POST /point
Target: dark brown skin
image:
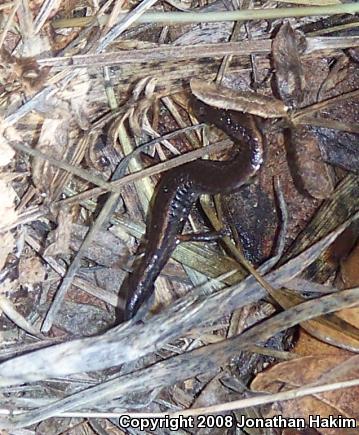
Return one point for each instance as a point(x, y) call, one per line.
point(181, 187)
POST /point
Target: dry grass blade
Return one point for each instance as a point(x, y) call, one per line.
point(153, 170)
point(9, 309)
point(75, 101)
point(68, 279)
point(181, 367)
point(126, 22)
point(45, 11)
point(159, 54)
point(30, 105)
point(65, 166)
point(311, 2)
point(82, 284)
point(224, 407)
point(261, 400)
point(301, 114)
point(238, 15)
point(331, 329)
point(343, 202)
point(9, 21)
point(29, 215)
point(166, 54)
point(129, 341)
point(330, 123)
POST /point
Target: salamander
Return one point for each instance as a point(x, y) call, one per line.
point(179, 189)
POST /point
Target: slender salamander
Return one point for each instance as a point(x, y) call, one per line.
point(180, 188)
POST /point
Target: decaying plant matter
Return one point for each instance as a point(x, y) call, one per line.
point(95, 105)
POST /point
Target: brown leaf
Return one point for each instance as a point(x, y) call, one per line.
point(310, 173)
point(350, 269)
point(329, 328)
point(287, 47)
point(349, 275)
point(337, 73)
point(307, 370)
point(230, 99)
point(307, 345)
point(350, 315)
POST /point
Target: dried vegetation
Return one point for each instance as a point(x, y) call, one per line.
point(95, 102)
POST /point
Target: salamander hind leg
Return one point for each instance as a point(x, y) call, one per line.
point(207, 236)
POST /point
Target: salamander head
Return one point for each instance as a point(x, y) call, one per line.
point(199, 109)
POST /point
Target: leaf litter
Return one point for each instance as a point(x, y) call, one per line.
point(61, 267)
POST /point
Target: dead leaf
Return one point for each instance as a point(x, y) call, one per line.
point(307, 345)
point(337, 73)
point(31, 270)
point(61, 235)
point(350, 269)
point(77, 96)
point(307, 370)
point(329, 328)
point(287, 47)
point(350, 315)
point(349, 275)
point(310, 173)
point(230, 99)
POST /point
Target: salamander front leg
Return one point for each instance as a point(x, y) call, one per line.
point(207, 236)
